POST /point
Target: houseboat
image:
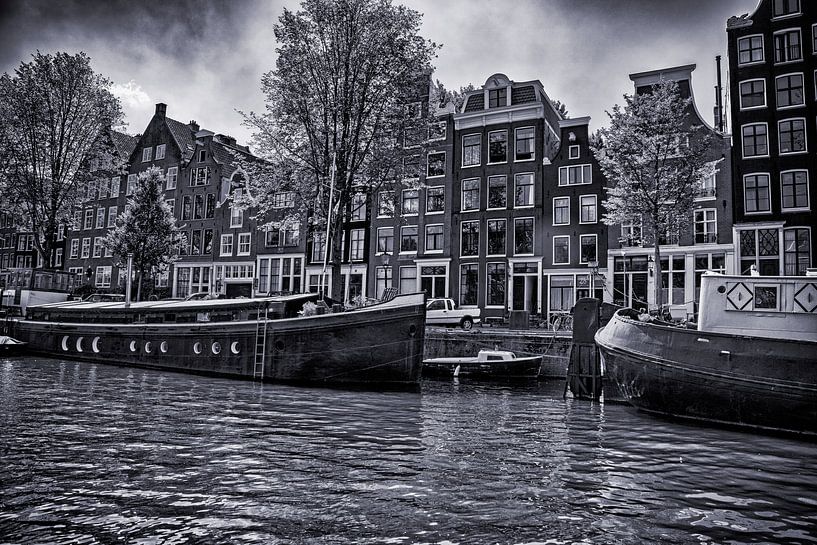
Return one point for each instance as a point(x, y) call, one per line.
point(268, 338)
point(751, 361)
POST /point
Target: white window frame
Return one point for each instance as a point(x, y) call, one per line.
point(400, 246)
point(774, 45)
point(425, 239)
point(226, 246)
point(99, 223)
point(115, 181)
point(786, 16)
point(74, 248)
point(533, 152)
point(740, 96)
point(428, 163)
point(532, 201)
point(358, 207)
point(113, 212)
point(86, 248)
point(595, 208)
point(802, 78)
point(533, 240)
point(762, 49)
point(236, 217)
point(808, 192)
point(380, 196)
point(248, 242)
point(488, 192)
point(805, 137)
point(595, 238)
point(434, 212)
point(283, 199)
point(479, 229)
point(462, 149)
point(553, 250)
point(377, 247)
point(574, 148)
point(160, 152)
point(147, 154)
point(89, 220)
point(58, 255)
point(131, 187)
point(567, 170)
point(553, 212)
point(745, 199)
point(403, 201)
point(506, 147)
point(743, 150)
point(172, 175)
point(103, 272)
point(444, 131)
point(357, 247)
point(705, 223)
point(462, 194)
point(488, 237)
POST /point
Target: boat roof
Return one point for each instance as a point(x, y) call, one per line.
point(170, 306)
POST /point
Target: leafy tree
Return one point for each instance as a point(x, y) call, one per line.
point(54, 112)
point(147, 229)
point(561, 107)
point(341, 107)
point(653, 157)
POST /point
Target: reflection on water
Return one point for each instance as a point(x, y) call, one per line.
point(99, 454)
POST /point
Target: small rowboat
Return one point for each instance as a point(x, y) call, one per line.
point(9, 346)
point(487, 365)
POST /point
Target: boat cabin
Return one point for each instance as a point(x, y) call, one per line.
point(23, 287)
point(779, 307)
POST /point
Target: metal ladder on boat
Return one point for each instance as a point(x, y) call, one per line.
point(260, 344)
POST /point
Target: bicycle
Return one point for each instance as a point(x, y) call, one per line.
point(562, 321)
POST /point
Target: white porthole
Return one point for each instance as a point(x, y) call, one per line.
point(133, 346)
point(216, 348)
point(65, 344)
point(234, 348)
point(95, 345)
point(197, 348)
point(79, 344)
point(148, 347)
point(163, 347)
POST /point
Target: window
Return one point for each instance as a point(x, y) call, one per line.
point(707, 262)
point(131, 187)
point(797, 251)
point(103, 277)
point(113, 211)
point(561, 292)
point(588, 211)
point(359, 207)
point(588, 248)
point(58, 257)
point(496, 237)
point(525, 140)
point(74, 248)
point(172, 177)
point(202, 156)
point(226, 245)
point(497, 147)
point(756, 193)
point(77, 224)
point(814, 38)
point(199, 176)
point(436, 164)
point(411, 200)
point(236, 216)
point(573, 152)
point(760, 247)
point(631, 233)
point(787, 46)
point(100, 218)
point(187, 207)
point(115, 186)
point(356, 244)
point(434, 238)
point(497, 192)
point(469, 239)
point(498, 98)
point(561, 211)
point(750, 49)
point(244, 240)
point(198, 206)
point(755, 140)
point(471, 150)
point(385, 240)
point(524, 190)
point(437, 131)
point(789, 90)
point(318, 246)
point(765, 298)
point(786, 7)
point(408, 238)
point(408, 279)
point(147, 154)
point(89, 219)
point(411, 167)
point(673, 280)
point(283, 199)
point(469, 284)
point(435, 200)
point(86, 248)
point(383, 280)
point(792, 136)
point(576, 175)
point(385, 204)
point(561, 250)
point(794, 189)
point(195, 242)
point(470, 194)
point(752, 94)
point(706, 226)
point(496, 284)
point(523, 236)
point(160, 151)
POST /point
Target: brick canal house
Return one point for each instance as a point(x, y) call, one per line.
point(687, 255)
point(772, 90)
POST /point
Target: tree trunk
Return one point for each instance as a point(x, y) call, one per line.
point(139, 286)
point(337, 257)
point(658, 278)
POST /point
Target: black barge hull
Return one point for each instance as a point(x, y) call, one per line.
point(751, 382)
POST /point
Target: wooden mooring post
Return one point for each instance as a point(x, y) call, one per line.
point(584, 373)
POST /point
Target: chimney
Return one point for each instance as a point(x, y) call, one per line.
point(161, 109)
point(193, 125)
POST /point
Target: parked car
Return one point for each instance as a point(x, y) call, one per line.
point(444, 312)
point(104, 298)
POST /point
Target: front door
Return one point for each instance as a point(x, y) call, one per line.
point(518, 293)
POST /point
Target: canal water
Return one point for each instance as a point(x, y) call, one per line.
point(102, 454)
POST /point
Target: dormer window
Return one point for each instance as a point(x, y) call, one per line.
point(147, 154)
point(202, 156)
point(786, 7)
point(498, 97)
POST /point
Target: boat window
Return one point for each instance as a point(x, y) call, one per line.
point(197, 348)
point(133, 346)
point(65, 344)
point(494, 358)
point(79, 344)
point(234, 348)
point(148, 347)
point(163, 347)
point(216, 348)
point(766, 297)
point(95, 345)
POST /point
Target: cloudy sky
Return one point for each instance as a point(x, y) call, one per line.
point(205, 58)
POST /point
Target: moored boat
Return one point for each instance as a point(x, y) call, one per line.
point(10, 347)
point(487, 365)
point(751, 362)
point(264, 338)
